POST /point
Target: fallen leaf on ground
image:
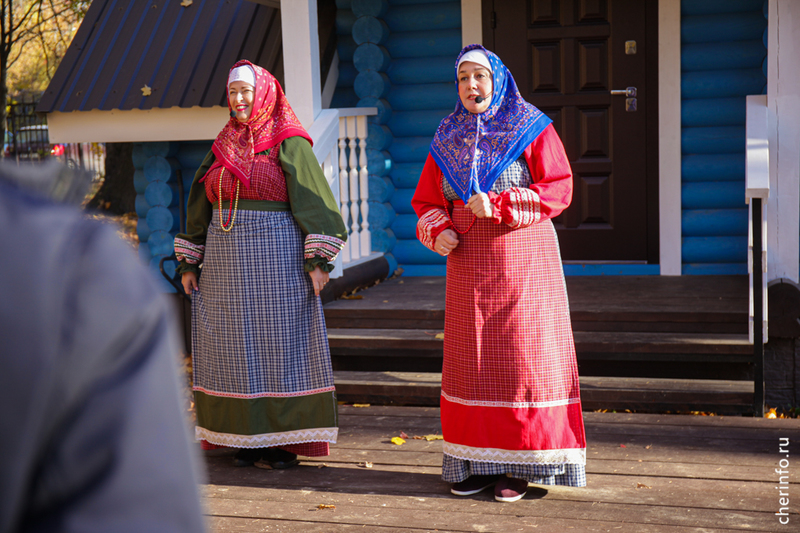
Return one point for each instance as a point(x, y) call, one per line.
point(641, 486)
point(648, 446)
point(186, 3)
point(322, 465)
point(325, 506)
point(361, 405)
point(403, 435)
point(622, 446)
point(147, 91)
point(418, 437)
point(440, 336)
point(433, 437)
point(353, 297)
point(398, 441)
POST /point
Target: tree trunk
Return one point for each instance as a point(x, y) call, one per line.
point(117, 194)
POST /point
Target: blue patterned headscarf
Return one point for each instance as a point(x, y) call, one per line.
point(507, 127)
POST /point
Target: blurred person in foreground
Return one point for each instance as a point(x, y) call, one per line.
point(93, 436)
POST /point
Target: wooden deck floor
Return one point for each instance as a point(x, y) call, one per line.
point(646, 473)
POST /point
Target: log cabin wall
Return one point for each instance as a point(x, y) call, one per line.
point(723, 59)
point(158, 167)
point(399, 56)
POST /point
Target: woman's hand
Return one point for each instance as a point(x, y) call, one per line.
point(446, 242)
point(189, 282)
point(319, 278)
point(480, 205)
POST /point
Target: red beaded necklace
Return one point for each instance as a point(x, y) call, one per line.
point(227, 226)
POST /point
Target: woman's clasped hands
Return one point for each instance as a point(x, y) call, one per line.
point(481, 207)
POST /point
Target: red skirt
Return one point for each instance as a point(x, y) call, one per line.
point(510, 390)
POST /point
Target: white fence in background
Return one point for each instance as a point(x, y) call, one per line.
point(340, 144)
point(88, 156)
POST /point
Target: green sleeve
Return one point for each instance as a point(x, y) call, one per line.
point(313, 205)
point(198, 213)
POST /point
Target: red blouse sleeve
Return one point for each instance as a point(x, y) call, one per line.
point(429, 205)
point(551, 188)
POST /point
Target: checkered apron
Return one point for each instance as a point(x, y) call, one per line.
point(510, 393)
point(257, 327)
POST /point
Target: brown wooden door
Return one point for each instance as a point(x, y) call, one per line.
point(566, 56)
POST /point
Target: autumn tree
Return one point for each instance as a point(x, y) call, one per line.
point(34, 36)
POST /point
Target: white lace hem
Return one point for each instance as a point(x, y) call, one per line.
point(267, 440)
point(522, 457)
point(512, 405)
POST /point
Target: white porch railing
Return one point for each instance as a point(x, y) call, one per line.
point(340, 144)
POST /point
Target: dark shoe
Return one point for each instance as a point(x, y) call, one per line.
point(510, 489)
point(247, 456)
point(280, 459)
point(473, 485)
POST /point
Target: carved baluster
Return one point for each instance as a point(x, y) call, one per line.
point(355, 252)
point(363, 178)
point(344, 186)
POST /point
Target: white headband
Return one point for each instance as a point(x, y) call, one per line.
point(476, 56)
point(244, 73)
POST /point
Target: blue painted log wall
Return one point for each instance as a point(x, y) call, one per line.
point(157, 167)
point(723, 59)
point(398, 55)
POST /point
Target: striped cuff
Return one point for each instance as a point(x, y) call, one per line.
point(521, 207)
point(323, 246)
point(430, 225)
point(189, 252)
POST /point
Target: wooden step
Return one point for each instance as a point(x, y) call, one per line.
point(698, 304)
point(635, 394)
point(622, 346)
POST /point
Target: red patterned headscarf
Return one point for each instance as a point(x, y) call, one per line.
point(271, 121)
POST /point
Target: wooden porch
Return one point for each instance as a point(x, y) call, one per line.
point(646, 473)
point(647, 343)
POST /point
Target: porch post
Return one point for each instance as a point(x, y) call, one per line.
point(783, 101)
point(301, 58)
point(669, 135)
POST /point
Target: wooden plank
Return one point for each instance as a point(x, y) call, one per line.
point(653, 464)
point(260, 525)
point(478, 513)
point(613, 420)
point(587, 382)
point(421, 490)
point(599, 342)
point(638, 394)
point(658, 301)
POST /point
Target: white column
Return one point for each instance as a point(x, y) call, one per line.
point(669, 136)
point(301, 58)
point(783, 100)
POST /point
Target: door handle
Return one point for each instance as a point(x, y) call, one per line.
point(629, 92)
